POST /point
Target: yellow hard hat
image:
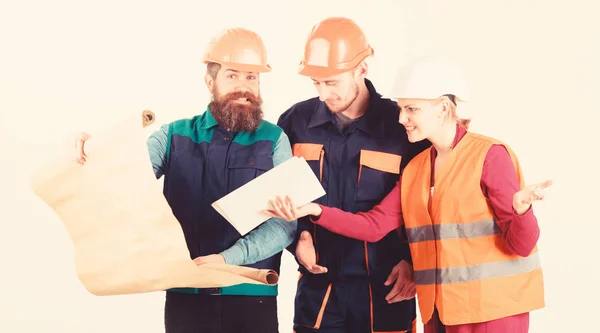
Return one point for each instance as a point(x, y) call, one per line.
point(335, 45)
point(239, 49)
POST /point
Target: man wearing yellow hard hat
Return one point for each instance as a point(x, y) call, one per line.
point(350, 137)
point(203, 159)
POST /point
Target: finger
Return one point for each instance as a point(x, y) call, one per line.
point(79, 142)
point(272, 208)
point(393, 293)
point(280, 206)
point(394, 297)
point(398, 298)
point(288, 210)
point(268, 212)
point(537, 189)
point(545, 184)
point(396, 289)
point(393, 276)
point(285, 209)
point(400, 295)
point(294, 210)
point(275, 208)
point(290, 201)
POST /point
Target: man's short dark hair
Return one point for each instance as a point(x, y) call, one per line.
point(212, 68)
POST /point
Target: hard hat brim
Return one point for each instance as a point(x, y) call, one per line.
point(322, 71)
point(394, 96)
point(244, 67)
point(319, 72)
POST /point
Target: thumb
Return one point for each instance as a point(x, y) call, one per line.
point(316, 269)
point(267, 212)
point(305, 236)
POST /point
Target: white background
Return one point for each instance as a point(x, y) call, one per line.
point(67, 66)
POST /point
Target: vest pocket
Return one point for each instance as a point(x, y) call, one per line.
point(313, 153)
point(244, 168)
point(376, 173)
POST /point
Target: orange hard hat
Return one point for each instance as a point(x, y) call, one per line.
point(335, 45)
point(238, 48)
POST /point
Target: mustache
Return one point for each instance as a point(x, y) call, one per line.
point(254, 100)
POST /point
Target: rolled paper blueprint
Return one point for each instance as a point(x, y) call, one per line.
point(126, 239)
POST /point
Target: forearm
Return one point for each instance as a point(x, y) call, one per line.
point(268, 239)
point(157, 149)
point(499, 183)
point(522, 233)
point(368, 226)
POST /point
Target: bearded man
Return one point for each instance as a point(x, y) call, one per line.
point(203, 159)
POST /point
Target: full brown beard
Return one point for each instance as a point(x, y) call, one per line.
point(237, 117)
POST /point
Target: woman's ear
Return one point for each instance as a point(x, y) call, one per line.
point(445, 106)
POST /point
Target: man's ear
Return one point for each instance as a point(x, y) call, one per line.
point(210, 82)
point(361, 70)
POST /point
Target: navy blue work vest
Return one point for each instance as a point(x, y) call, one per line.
point(204, 163)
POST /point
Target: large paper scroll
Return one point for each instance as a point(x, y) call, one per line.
point(125, 236)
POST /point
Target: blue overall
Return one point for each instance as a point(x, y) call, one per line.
point(357, 167)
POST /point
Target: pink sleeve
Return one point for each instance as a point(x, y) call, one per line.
point(369, 226)
point(499, 183)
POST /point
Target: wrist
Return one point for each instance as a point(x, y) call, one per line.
point(521, 209)
point(316, 210)
point(233, 255)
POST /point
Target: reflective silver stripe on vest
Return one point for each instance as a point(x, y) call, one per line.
point(478, 272)
point(451, 231)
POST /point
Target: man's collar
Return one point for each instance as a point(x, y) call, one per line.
point(370, 122)
point(321, 116)
point(208, 121)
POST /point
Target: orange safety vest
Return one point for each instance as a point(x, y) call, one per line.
point(461, 263)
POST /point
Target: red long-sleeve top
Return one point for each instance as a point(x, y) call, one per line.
point(498, 182)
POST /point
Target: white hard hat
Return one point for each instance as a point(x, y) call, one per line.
point(430, 78)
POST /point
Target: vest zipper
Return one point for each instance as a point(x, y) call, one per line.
point(321, 158)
